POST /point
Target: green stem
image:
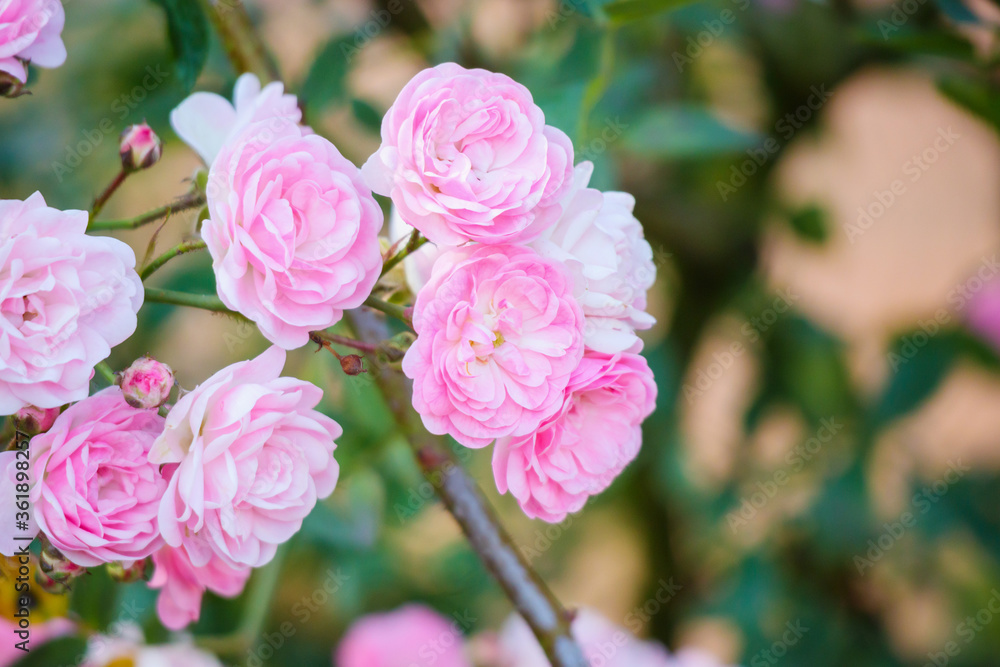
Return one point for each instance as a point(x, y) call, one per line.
point(105, 372)
point(239, 38)
point(416, 240)
point(188, 201)
point(390, 309)
point(103, 198)
point(179, 249)
point(361, 346)
point(203, 301)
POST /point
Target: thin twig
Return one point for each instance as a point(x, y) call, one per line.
point(416, 240)
point(203, 301)
point(192, 199)
point(390, 309)
point(362, 346)
point(179, 249)
point(103, 198)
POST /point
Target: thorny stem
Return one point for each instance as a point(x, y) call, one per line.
point(390, 309)
point(324, 338)
point(203, 301)
point(179, 249)
point(546, 616)
point(103, 198)
point(192, 199)
point(416, 240)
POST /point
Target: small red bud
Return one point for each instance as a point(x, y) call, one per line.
point(352, 364)
point(140, 147)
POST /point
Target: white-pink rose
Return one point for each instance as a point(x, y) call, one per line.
point(293, 231)
point(206, 121)
point(65, 300)
point(31, 31)
point(95, 494)
point(580, 450)
point(126, 647)
point(602, 243)
point(253, 457)
point(466, 155)
point(411, 636)
point(182, 585)
point(498, 335)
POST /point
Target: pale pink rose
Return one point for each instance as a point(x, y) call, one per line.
point(498, 335)
point(65, 300)
point(126, 647)
point(146, 383)
point(694, 657)
point(253, 458)
point(466, 155)
point(37, 634)
point(31, 31)
point(293, 231)
point(411, 636)
point(604, 644)
point(206, 121)
point(182, 585)
point(602, 243)
point(580, 450)
point(95, 493)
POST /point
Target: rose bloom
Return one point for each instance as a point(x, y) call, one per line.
point(580, 450)
point(603, 643)
point(206, 121)
point(182, 585)
point(466, 155)
point(498, 335)
point(253, 458)
point(126, 649)
point(31, 30)
point(293, 231)
point(95, 494)
point(612, 263)
point(411, 636)
point(65, 300)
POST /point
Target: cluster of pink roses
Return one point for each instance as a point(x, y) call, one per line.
point(526, 319)
point(416, 636)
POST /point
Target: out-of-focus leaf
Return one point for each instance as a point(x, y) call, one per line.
point(957, 11)
point(325, 82)
point(62, 651)
point(367, 115)
point(684, 131)
point(810, 223)
point(624, 11)
point(977, 96)
point(918, 42)
point(187, 29)
point(352, 519)
point(918, 361)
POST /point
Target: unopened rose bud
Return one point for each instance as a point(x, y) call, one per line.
point(32, 420)
point(11, 86)
point(140, 147)
point(50, 585)
point(127, 574)
point(56, 566)
point(352, 364)
point(146, 383)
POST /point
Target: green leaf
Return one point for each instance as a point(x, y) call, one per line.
point(919, 361)
point(809, 223)
point(187, 29)
point(977, 96)
point(326, 81)
point(684, 131)
point(624, 11)
point(62, 651)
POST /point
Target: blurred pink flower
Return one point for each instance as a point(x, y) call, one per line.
point(253, 458)
point(182, 585)
point(39, 633)
point(293, 231)
point(206, 121)
point(411, 636)
point(65, 300)
point(31, 30)
point(95, 493)
point(126, 647)
point(602, 243)
point(498, 335)
point(466, 155)
point(984, 313)
point(146, 383)
point(580, 450)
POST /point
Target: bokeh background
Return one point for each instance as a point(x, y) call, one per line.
point(820, 182)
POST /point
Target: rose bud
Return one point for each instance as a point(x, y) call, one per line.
point(11, 86)
point(146, 383)
point(140, 147)
point(32, 420)
point(126, 574)
point(56, 566)
point(352, 364)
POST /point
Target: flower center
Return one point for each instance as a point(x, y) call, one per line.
point(18, 310)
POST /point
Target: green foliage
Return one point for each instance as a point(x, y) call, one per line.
point(187, 29)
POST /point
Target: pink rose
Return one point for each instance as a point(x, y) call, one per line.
point(580, 450)
point(253, 458)
point(65, 300)
point(31, 31)
point(182, 585)
point(206, 121)
point(466, 155)
point(602, 243)
point(498, 335)
point(126, 647)
point(603, 642)
point(95, 493)
point(293, 231)
point(146, 383)
point(411, 636)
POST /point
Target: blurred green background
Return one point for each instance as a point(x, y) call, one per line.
point(819, 182)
